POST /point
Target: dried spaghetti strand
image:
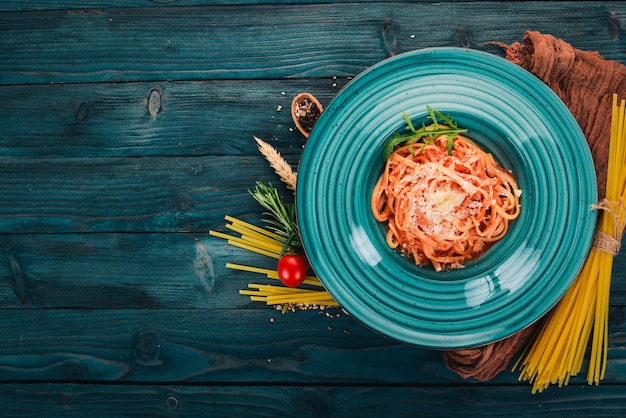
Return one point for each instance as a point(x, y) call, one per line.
point(280, 295)
point(259, 248)
point(251, 227)
point(251, 238)
point(272, 274)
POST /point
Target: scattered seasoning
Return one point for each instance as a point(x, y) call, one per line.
point(279, 108)
point(292, 307)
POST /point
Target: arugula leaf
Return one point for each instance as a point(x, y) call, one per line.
point(432, 115)
point(396, 140)
point(450, 144)
point(425, 133)
point(409, 123)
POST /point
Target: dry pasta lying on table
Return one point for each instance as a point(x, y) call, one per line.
point(264, 242)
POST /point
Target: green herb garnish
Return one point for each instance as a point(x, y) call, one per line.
point(282, 216)
point(425, 133)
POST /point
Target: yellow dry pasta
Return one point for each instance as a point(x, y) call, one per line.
point(253, 236)
point(241, 243)
point(279, 295)
point(272, 274)
point(557, 351)
point(261, 241)
point(251, 227)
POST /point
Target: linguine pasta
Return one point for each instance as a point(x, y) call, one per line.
point(444, 207)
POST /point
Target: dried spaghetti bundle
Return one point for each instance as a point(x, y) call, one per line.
point(558, 350)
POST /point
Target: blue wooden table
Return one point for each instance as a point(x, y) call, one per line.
point(126, 135)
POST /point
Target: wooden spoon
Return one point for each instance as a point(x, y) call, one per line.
point(305, 111)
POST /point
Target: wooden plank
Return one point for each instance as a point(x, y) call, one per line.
point(272, 41)
point(105, 271)
point(197, 345)
point(146, 271)
point(239, 346)
point(26, 5)
point(142, 119)
point(85, 5)
point(79, 400)
point(151, 194)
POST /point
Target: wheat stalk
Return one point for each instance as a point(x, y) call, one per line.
point(278, 163)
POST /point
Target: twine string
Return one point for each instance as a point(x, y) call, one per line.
point(605, 242)
point(611, 243)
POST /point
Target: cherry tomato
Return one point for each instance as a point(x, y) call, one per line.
point(292, 269)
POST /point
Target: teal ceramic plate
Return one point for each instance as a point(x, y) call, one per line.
point(510, 113)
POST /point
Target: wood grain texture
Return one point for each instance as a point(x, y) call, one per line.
point(126, 134)
point(86, 5)
point(150, 194)
point(214, 117)
point(198, 345)
point(115, 401)
point(130, 271)
point(227, 346)
point(273, 41)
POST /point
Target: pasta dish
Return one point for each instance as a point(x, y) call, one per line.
point(444, 202)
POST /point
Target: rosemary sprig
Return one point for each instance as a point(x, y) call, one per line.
point(282, 216)
point(425, 133)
